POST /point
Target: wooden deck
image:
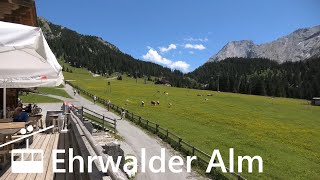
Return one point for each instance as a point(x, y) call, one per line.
point(46, 142)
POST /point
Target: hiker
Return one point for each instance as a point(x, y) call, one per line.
point(78, 91)
point(94, 99)
point(123, 114)
point(74, 92)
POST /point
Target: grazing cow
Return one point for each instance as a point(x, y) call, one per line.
point(153, 103)
point(158, 103)
point(209, 95)
point(167, 93)
point(206, 99)
point(170, 104)
point(142, 103)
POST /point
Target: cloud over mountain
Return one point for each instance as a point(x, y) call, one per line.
point(166, 49)
point(195, 46)
point(153, 56)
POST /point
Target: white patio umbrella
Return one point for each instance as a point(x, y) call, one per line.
point(26, 60)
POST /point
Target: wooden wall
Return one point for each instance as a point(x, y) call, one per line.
point(18, 11)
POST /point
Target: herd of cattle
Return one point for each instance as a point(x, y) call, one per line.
point(157, 103)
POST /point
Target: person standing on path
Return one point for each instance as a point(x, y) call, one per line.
point(123, 114)
point(94, 99)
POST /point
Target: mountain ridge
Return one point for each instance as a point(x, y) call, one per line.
point(302, 44)
point(103, 58)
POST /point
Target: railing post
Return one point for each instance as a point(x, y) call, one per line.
point(103, 122)
point(82, 113)
point(157, 126)
point(148, 124)
point(180, 143)
point(193, 150)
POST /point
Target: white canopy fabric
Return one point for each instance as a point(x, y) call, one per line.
point(26, 60)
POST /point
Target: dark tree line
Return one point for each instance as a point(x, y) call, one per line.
point(261, 77)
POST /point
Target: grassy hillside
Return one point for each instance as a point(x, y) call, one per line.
point(36, 98)
point(54, 91)
point(284, 132)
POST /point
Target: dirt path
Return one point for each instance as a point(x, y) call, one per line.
point(136, 139)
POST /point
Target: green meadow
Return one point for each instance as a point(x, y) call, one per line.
point(54, 91)
point(37, 98)
point(284, 132)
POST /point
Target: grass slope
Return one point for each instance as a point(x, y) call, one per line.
point(36, 98)
point(284, 132)
point(54, 91)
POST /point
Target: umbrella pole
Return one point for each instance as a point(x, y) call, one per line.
point(4, 101)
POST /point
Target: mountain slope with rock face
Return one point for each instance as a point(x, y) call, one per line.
point(300, 45)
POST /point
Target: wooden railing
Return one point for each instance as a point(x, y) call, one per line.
point(103, 122)
point(85, 145)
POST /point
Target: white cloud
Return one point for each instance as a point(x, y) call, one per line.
point(153, 56)
point(166, 49)
point(183, 66)
point(196, 39)
point(195, 46)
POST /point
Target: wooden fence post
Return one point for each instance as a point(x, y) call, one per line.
point(157, 126)
point(147, 124)
point(103, 122)
point(193, 150)
point(180, 143)
point(82, 113)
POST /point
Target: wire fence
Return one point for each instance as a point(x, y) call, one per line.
point(174, 140)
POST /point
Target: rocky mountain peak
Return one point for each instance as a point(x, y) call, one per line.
point(300, 45)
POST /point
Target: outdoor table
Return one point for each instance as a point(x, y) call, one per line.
point(6, 120)
point(6, 149)
point(13, 125)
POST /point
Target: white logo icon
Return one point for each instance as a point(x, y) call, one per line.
point(23, 165)
point(31, 160)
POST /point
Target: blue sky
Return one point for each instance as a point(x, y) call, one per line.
point(181, 34)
